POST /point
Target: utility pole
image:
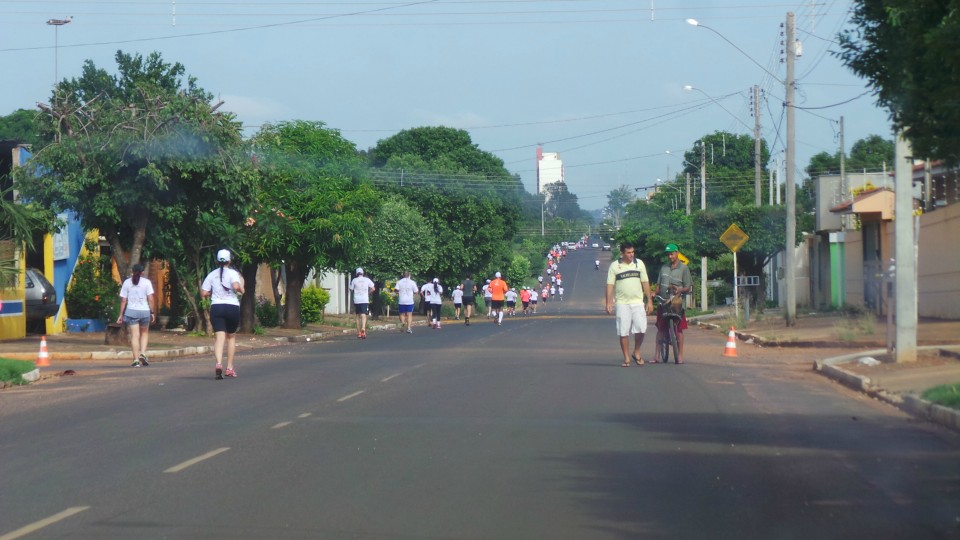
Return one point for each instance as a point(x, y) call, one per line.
point(756, 143)
point(791, 196)
point(688, 194)
point(905, 251)
point(703, 206)
point(843, 163)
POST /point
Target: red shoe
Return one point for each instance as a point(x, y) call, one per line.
point(229, 373)
point(363, 334)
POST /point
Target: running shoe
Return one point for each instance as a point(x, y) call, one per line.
point(219, 371)
point(136, 363)
point(409, 330)
point(363, 334)
point(143, 360)
point(230, 373)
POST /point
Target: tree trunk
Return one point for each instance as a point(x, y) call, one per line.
point(296, 275)
point(276, 277)
point(248, 302)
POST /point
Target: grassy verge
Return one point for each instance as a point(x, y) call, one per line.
point(11, 370)
point(947, 395)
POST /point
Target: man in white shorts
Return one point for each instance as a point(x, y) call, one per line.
point(627, 282)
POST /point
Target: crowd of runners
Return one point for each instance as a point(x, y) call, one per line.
point(499, 298)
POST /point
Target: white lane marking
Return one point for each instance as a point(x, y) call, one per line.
point(37, 525)
point(305, 415)
point(394, 376)
point(280, 425)
point(353, 395)
point(194, 461)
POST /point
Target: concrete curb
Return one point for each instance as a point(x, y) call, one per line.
point(908, 403)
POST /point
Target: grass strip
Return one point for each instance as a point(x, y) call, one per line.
point(11, 371)
point(947, 395)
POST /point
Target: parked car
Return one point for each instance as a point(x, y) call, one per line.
point(41, 296)
point(594, 245)
point(606, 247)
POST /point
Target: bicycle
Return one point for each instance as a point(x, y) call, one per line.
point(671, 309)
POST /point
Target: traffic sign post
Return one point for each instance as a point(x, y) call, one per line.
point(734, 238)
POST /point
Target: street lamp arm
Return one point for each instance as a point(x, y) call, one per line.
point(695, 22)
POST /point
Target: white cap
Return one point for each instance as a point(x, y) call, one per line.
point(497, 274)
point(359, 271)
point(459, 286)
point(435, 280)
point(488, 281)
point(223, 255)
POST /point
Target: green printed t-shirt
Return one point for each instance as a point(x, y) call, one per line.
point(627, 279)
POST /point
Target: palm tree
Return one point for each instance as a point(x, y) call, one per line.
point(18, 222)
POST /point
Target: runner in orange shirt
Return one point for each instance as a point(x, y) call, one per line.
point(498, 288)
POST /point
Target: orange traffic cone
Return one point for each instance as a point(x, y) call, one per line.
point(43, 359)
point(731, 348)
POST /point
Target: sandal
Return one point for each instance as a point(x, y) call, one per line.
point(639, 361)
point(625, 364)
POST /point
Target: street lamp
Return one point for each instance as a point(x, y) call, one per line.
point(56, 24)
point(697, 23)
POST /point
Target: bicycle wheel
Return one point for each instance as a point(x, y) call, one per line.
point(673, 342)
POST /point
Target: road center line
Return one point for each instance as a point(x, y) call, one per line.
point(394, 376)
point(37, 525)
point(305, 415)
point(280, 425)
point(194, 461)
point(349, 396)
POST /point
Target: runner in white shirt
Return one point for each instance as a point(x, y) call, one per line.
point(362, 287)
point(457, 296)
point(488, 299)
point(511, 298)
point(436, 301)
point(406, 290)
point(534, 296)
point(560, 292)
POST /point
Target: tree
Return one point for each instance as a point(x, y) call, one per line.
point(617, 201)
point(135, 151)
point(909, 52)
point(20, 126)
point(561, 203)
point(730, 168)
point(518, 271)
point(871, 153)
point(313, 209)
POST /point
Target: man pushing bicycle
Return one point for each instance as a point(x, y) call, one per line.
point(674, 280)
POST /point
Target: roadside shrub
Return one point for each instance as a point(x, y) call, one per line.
point(11, 370)
point(93, 294)
point(313, 300)
point(267, 313)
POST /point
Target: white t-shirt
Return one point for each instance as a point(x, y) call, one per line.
point(457, 295)
point(220, 286)
point(406, 289)
point(486, 291)
point(560, 290)
point(510, 296)
point(430, 295)
point(136, 295)
point(361, 286)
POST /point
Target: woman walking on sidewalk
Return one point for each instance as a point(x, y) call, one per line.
point(136, 311)
point(223, 287)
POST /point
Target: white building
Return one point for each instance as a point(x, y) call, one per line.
point(549, 169)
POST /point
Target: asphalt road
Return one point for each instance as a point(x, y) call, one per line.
point(524, 431)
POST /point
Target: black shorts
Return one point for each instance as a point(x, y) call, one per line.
point(361, 309)
point(511, 304)
point(225, 318)
point(496, 304)
point(468, 301)
point(526, 305)
point(458, 305)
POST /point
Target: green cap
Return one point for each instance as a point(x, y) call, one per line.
point(671, 248)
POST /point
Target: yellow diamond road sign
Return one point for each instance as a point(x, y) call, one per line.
point(734, 238)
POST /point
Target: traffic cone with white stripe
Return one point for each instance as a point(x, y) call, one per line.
point(731, 348)
point(43, 359)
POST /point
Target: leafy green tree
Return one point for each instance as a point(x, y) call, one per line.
point(617, 201)
point(20, 126)
point(561, 203)
point(909, 52)
point(823, 163)
point(400, 240)
point(730, 168)
point(871, 153)
point(314, 210)
point(518, 271)
point(135, 151)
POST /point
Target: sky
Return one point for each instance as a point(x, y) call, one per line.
point(601, 82)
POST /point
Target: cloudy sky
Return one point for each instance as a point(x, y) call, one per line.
point(599, 81)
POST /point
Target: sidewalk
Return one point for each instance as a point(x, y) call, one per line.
point(868, 368)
